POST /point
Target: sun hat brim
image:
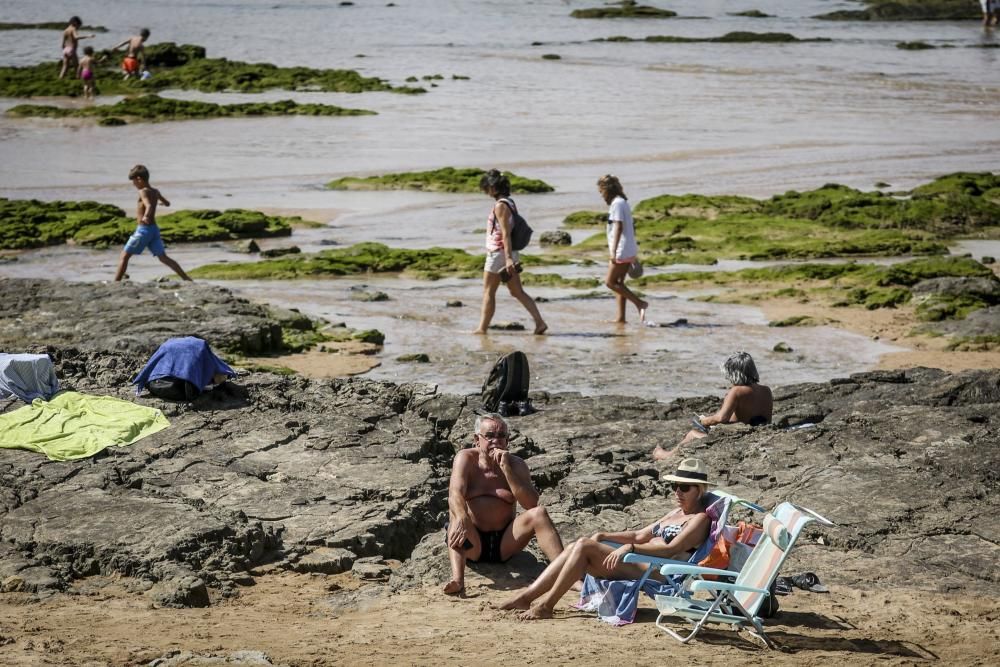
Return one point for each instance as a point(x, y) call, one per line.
point(687, 480)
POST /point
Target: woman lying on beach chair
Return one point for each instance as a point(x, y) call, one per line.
point(676, 535)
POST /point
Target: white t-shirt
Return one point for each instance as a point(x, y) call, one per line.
point(621, 212)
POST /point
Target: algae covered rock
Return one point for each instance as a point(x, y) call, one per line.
point(50, 25)
point(446, 179)
point(628, 9)
point(153, 108)
point(185, 67)
point(355, 259)
point(908, 10)
point(555, 238)
point(33, 224)
point(831, 221)
point(738, 36)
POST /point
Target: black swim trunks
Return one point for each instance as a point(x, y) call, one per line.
point(490, 541)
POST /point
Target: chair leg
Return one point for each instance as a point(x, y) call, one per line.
point(697, 626)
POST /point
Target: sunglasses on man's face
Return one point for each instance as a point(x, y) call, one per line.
point(683, 488)
point(494, 435)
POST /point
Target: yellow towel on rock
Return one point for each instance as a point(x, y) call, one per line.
point(75, 426)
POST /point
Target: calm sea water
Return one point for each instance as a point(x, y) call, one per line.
point(751, 119)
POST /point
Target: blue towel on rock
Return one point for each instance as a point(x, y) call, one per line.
point(27, 376)
point(188, 358)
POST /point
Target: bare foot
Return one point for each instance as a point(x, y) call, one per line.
point(642, 311)
point(542, 328)
point(515, 603)
point(454, 588)
point(478, 332)
point(536, 613)
point(661, 454)
point(613, 321)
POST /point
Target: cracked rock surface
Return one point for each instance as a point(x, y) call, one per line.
point(328, 476)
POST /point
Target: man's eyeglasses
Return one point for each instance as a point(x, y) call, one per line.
point(493, 435)
point(683, 488)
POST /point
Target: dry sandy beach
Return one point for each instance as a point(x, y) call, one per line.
point(294, 620)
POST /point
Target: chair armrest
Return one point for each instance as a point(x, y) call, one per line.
point(719, 586)
point(694, 569)
point(823, 520)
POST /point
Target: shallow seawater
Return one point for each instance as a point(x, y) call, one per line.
point(753, 119)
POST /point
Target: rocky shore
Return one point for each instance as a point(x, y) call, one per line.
point(335, 475)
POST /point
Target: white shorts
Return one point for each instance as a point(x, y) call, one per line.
point(495, 261)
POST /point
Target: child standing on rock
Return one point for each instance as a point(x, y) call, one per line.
point(147, 234)
point(86, 71)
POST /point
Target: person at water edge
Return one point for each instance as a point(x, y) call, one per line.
point(86, 71)
point(70, 41)
point(487, 483)
point(622, 247)
point(747, 402)
point(135, 53)
point(147, 233)
point(991, 11)
point(677, 535)
point(502, 263)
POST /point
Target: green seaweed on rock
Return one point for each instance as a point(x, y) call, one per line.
point(628, 9)
point(739, 36)
point(446, 179)
point(33, 224)
point(830, 221)
point(153, 108)
point(908, 10)
point(50, 25)
point(185, 67)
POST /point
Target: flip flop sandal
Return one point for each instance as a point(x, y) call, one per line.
point(809, 582)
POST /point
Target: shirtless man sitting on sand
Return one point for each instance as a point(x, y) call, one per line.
point(487, 482)
point(747, 402)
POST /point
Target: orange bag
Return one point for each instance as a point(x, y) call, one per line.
point(719, 556)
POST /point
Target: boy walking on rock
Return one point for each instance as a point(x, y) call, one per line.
point(146, 234)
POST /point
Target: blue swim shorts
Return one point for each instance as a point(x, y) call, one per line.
point(146, 236)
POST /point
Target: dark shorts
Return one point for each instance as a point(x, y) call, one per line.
point(490, 541)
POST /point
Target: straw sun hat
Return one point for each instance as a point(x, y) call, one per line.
point(692, 471)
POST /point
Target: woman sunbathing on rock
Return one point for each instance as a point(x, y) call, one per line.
point(747, 402)
point(677, 535)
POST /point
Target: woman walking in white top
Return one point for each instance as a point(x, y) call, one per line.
point(622, 248)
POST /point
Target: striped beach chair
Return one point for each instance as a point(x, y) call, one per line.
point(736, 604)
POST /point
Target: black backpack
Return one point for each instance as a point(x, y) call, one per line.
point(507, 382)
point(173, 389)
point(520, 232)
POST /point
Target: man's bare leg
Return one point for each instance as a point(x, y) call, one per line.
point(122, 265)
point(175, 266)
point(457, 584)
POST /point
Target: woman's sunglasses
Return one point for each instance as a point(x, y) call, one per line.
point(683, 488)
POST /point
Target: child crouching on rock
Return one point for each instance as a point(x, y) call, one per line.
point(146, 234)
